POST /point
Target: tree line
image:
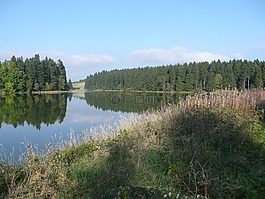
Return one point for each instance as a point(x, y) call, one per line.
point(202, 76)
point(33, 74)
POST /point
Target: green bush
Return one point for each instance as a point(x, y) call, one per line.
point(212, 152)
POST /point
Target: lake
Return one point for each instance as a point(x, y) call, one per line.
point(40, 118)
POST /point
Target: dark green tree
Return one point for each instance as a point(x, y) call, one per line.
point(70, 84)
point(189, 80)
point(210, 82)
point(218, 81)
point(32, 75)
point(62, 81)
point(257, 82)
point(190, 77)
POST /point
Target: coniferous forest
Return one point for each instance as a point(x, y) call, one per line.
point(202, 76)
point(33, 74)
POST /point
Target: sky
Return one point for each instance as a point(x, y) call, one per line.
point(90, 36)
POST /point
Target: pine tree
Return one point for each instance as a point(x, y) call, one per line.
point(180, 77)
point(62, 81)
point(218, 81)
point(189, 80)
point(70, 85)
point(257, 78)
point(210, 82)
point(203, 70)
point(191, 77)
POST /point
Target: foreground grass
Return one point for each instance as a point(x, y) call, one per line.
point(209, 146)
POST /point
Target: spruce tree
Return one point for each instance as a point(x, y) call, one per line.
point(62, 81)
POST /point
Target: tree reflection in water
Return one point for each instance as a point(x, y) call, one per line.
point(33, 109)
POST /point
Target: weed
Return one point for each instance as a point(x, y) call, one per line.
point(208, 146)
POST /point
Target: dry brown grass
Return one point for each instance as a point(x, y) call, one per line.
point(79, 86)
point(200, 147)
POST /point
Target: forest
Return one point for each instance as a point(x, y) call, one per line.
point(33, 74)
point(201, 76)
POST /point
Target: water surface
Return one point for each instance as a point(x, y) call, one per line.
point(38, 119)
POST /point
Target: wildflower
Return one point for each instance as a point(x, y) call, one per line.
point(37, 176)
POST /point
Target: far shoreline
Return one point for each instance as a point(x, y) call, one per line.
point(3, 93)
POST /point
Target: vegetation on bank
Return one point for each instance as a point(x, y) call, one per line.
point(33, 74)
point(208, 146)
point(202, 76)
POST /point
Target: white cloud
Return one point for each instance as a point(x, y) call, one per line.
point(6, 55)
point(175, 55)
point(71, 59)
point(89, 59)
point(79, 59)
point(237, 56)
point(78, 66)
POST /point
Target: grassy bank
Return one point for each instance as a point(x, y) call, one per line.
point(208, 146)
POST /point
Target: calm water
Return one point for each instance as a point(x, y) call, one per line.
point(37, 119)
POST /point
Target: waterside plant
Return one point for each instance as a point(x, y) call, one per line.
point(208, 146)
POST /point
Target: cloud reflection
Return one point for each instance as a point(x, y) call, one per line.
point(79, 112)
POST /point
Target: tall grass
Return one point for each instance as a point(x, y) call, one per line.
point(208, 146)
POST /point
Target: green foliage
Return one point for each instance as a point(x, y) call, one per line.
point(72, 154)
point(183, 77)
point(3, 183)
point(32, 75)
point(218, 81)
point(70, 84)
point(211, 146)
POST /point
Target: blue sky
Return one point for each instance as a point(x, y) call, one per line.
point(90, 36)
